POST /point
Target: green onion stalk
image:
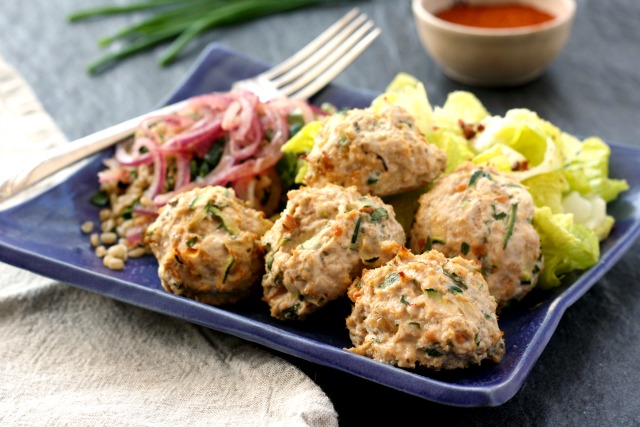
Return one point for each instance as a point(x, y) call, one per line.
point(177, 21)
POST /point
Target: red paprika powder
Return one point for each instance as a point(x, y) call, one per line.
point(494, 16)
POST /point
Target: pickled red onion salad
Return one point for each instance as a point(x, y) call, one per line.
point(225, 138)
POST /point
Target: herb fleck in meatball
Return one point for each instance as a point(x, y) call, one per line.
point(207, 242)
point(481, 214)
point(320, 243)
point(379, 152)
point(425, 310)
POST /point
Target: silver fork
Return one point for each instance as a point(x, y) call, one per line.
point(300, 76)
point(315, 65)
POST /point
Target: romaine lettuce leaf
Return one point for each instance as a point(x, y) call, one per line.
point(459, 106)
point(409, 93)
point(526, 134)
point(566, 246)
point(547, 190)
point(302, 142)
point(587, 171)
point(455, 146)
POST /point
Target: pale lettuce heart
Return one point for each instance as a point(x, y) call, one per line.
point(590, 211)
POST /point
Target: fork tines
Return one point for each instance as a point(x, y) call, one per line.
point(320, 61)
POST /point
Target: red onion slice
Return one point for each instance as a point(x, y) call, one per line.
point(159, 174)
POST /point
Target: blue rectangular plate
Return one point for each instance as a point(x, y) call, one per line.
point(43, 235)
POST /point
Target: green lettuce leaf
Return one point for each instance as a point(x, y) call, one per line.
point(456, 147)
point(409, 93)
point(301, 143)
point(566, 246)
point(547, 190)
point(587, 171)
point(459, 106)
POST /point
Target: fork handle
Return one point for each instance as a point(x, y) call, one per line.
point(63, 156)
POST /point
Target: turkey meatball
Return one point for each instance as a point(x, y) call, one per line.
point(321, 242)
point(478, 213)
point(207, 243)
point(378, 152)
point(425, 310)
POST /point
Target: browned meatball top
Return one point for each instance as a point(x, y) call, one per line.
point(320, 243)
point(425, 310)
point(207, 242)
point(381, 152)
point(478, 213)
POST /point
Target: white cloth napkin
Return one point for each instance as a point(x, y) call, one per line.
point(71, 357)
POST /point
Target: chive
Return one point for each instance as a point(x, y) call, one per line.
point(127, 213)
point(356, 231)
point(415, 324)
point(497, 216)
point(131, 49)
point(510, 224)
point(432, 292)
point(427, 245)
point(193, 202)
point(216, 211)
point(269, 262)
point(455, 278)
point(175, 20)
point(192, 241)
point(464, 248)
point(432, 352)
point(390, 280)
point(373, 179)
point(379, 214)
point(232, 13)
point(114, 10)
point(403, 300)
point(478, 174)
point(178, 21)
point(230, 263)
point(455, 290)
point(291, 312)
point(100, 199)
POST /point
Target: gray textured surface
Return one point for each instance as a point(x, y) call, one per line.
point(589, 373)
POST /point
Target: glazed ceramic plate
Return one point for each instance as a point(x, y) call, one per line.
point(43, 235)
